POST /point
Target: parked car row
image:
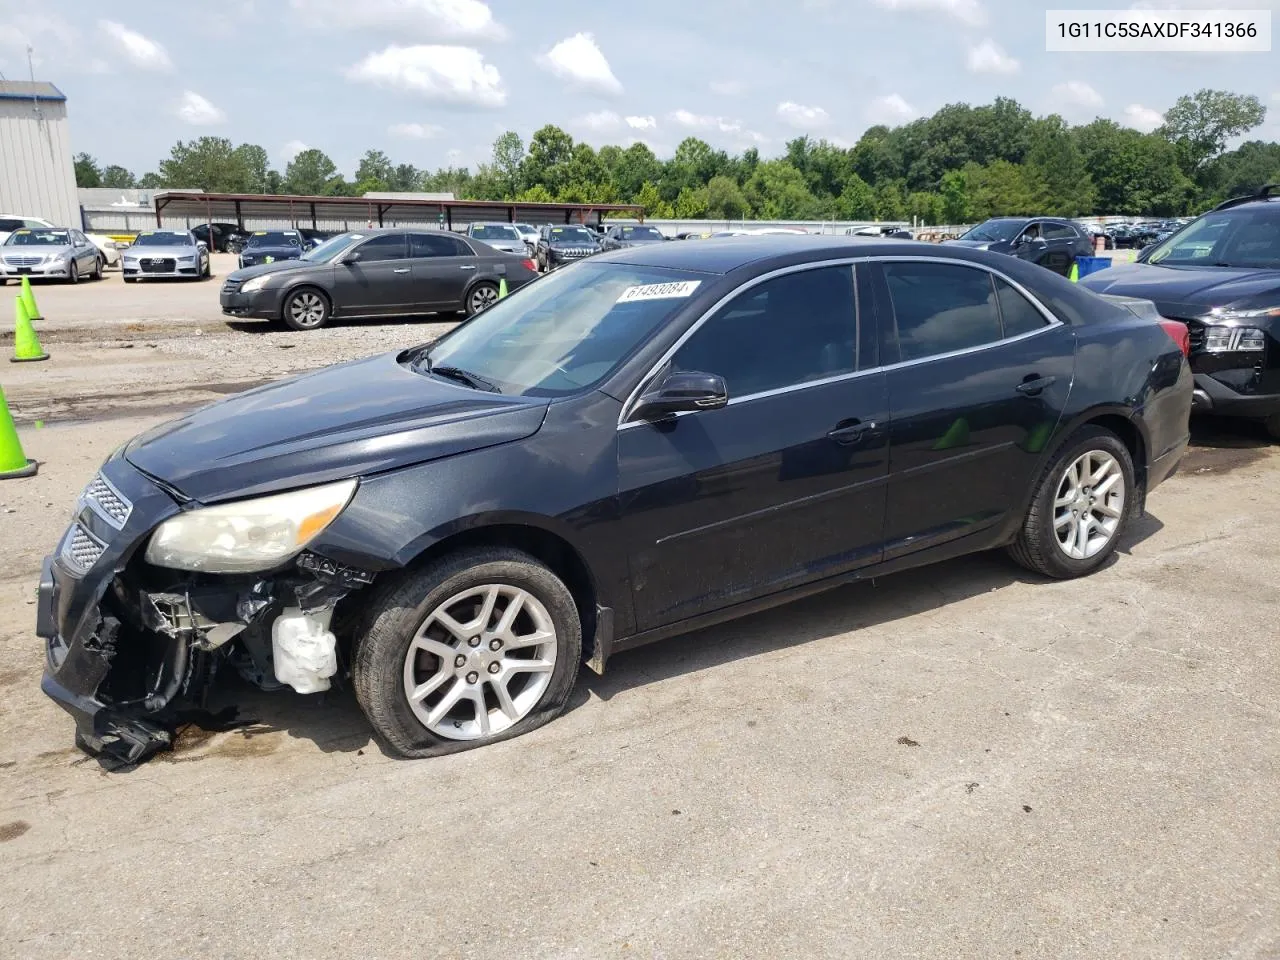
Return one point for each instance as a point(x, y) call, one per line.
point(1051, 242)
point(652, 440)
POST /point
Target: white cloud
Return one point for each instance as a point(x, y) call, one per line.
point(578, 61)
point(649, 123)
point(141, 51)
point(988, 57)
point(456, 75)
point(1142, 118)
point(197, 111)
point(454, 154)
point(292, 149)
point(802, 117)
point(428, 19)
point(600, 121)
point(969, 12)
point(693, 121)
point(890, 109)
point(726, 88)
point(1075, 93)
point(415, 131)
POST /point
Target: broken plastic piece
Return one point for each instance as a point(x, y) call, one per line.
point(303, 649)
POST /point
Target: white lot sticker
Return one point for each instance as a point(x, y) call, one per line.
point(660, 291)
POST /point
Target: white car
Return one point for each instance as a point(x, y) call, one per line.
point(110, 249)
point(528, 233)
point(10, 222)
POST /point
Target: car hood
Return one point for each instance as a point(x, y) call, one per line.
point(44, 250)
point(977, 244)
point(167, 251)
point(285, 250)
point(350, 420)
point(1188, 291)
point(278, 266)
point(638, 243)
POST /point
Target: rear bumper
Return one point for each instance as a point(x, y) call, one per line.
point(1213, 396)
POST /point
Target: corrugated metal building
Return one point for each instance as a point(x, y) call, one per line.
point(37, 174)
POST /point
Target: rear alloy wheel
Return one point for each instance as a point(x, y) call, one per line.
point(305, 310)
point(479, 646)
point(482, 296)
point(1080, 508)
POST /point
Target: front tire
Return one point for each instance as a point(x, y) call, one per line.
point(305, 309)
point(73, 273)
point(476, 647)
point(1081, 507)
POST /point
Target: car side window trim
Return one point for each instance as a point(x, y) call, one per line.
point(1051, 322)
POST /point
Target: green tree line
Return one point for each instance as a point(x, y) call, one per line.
point(960, 165)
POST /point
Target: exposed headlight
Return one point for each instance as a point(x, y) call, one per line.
point(254, 284)
point(248, 536)
point(1251, 313)
point(1220, 339)
point(130, 259)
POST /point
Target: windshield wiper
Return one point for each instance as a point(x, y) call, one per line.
point(473, 380)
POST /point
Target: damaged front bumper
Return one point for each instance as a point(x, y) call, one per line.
point(126, 642)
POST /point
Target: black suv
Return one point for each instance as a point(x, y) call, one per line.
point(560, 245)
point(1050, 242)
point(1220, 275)
point(640, 445)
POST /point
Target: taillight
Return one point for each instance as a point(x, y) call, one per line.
point(530, 265)
point(1179, 334)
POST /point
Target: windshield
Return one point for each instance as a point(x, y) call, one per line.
point(163, 239)
point(494, 231)
point(525, 227)
point(31, 238)
point(995, 230)
point(575, 234)
point(640, 233)
point(1248, 237)
point(332, 247)
point(567, 331)
point(274, 238)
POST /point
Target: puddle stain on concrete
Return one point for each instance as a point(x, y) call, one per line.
point(190, 743)
point(13, 830)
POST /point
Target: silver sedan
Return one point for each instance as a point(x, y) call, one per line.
point(165, 253)
point(51, 253)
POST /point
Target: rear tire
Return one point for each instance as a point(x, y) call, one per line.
point(305, 309)
point(1081, 507)
point(404, 647)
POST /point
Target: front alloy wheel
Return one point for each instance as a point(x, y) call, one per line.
point(306, 310)
point(482, 296)
point(476, 646)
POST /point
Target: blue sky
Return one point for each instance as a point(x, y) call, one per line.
point(432, 82)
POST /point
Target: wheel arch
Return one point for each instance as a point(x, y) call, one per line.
point(532, 535)
point(306, 284)
point(1125, 424)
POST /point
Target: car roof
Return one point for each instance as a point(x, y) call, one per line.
point(727, 254)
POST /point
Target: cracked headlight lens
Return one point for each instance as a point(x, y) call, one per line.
point(249, 535)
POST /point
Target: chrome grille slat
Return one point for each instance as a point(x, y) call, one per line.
point(81, 549)
point(106, 501)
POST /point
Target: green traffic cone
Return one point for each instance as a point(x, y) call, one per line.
point(26, 346)
point(502, 287)
point(29, 300)
point(1074, 276)
point(13, 462)
point(957, 435)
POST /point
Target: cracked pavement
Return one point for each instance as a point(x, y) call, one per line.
point(959, 761)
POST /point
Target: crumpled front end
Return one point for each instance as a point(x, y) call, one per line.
point(128, 643)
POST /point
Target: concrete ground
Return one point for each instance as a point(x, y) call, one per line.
point(961, 761)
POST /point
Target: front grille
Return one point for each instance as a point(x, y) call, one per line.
point(1195, 330)
point(81, 549)
point(106, 501)
point(24, 261)
point(157, 264)
point(572, 252)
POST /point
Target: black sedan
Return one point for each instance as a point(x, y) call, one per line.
point(560, 245)
point(269, 246)
point(1221, 277)
point(627, 235)
point(1050, 242)
point(376, 273)
point(636, 446)
point(227, 237)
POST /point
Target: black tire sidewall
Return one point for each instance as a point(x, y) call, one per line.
point(398, 611)
point(1056, 562)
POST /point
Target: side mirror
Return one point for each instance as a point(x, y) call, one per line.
point(681, 392)
point(347, 259)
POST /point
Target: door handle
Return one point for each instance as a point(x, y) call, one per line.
point(467, 266)
point(400, 270)
point(1031, 385)
point(848, 432)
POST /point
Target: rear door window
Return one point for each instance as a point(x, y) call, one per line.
point(437, 245)
point(939, 308)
